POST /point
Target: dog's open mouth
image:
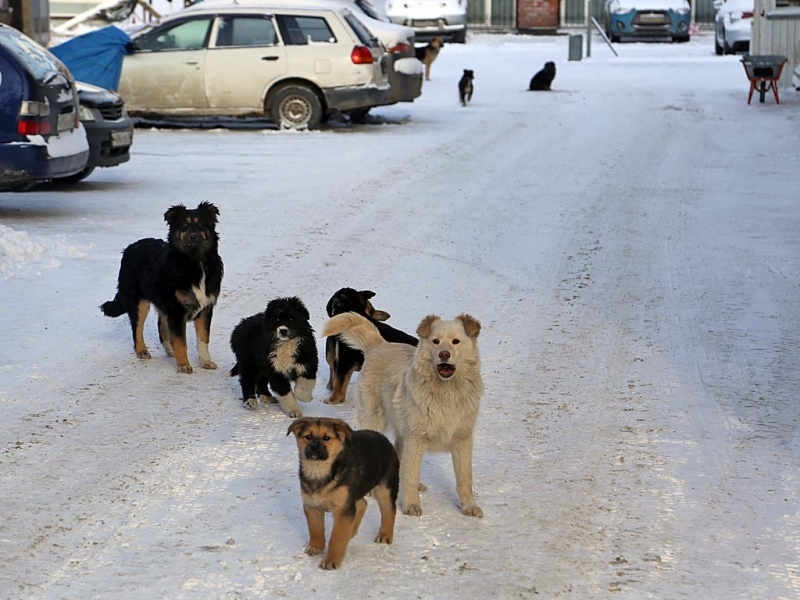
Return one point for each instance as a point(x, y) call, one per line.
point(446, 370)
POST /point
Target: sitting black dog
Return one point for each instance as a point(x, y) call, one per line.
point(542, 81)
point(274, 350)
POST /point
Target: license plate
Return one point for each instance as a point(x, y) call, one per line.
point(66, 121)
point(121, 138)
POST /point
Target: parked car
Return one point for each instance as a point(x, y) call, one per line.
point(109, 129)
point(733, 24)
point(648, 19)
point(41, 137)
point(431, 18)
point(404, 70)
point(293, 64)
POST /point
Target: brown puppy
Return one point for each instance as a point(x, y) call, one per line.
point(338, 467)
point(427, 54)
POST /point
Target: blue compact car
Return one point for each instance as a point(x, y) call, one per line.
point(668, 19)
point(41, 136)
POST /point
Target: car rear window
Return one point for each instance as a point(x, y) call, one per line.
point(365, 36)
point(245, 31)
point(35, 58)
point(298, 30)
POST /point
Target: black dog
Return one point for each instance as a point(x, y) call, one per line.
point(465, 87)
point(543, 79)
point(180, 277)
point(344, 360)
point(274, 349)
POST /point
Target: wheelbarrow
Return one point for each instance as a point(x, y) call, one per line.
point(763, 72)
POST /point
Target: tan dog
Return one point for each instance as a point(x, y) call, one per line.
point(338, 467)
point(429, 396)
point(428, 53)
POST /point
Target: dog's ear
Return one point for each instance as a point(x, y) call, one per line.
point(367, 294)
point(209, 209)
point(425, 326)
point(297, 425)
point(342, 429)
point(471, 325)
point(174, 213)
point(378, 315)
point(329, 305)
point(302, 308)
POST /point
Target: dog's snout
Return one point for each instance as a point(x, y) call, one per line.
point(444, 355)
point(283, 331)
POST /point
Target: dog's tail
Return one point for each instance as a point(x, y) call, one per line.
point(356, 331)
point(112, 308)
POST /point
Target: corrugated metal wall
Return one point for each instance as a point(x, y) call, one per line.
point(500, 14)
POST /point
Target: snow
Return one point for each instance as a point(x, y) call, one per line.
point(629, 243)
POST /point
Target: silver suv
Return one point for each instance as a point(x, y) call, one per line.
point(293, 64)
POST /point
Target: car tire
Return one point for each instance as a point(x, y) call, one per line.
point(460, 37)
point(681, 39)
point(80, 175)
point(296, 107)
point(726, 49)
point(717, 47)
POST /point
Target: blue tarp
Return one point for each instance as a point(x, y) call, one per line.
point(96, 57)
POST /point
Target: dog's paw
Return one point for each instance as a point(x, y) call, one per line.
point(208, 364)
point(383, 539)
point(472, 511)
point(422, 487)
point(314, 550)
point(143, 354)
point(334, 399)
point(185, 369)
point(295, 414)
point(413, 510)
point(250, 403)
point(328, 564)
point(268, 399)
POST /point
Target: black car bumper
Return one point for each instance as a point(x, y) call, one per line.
point(22, 163)
point(109, 142)
point(354, 98)
point(405, 87)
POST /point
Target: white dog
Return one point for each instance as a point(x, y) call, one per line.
point(429, 396)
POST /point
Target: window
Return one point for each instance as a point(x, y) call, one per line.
point(245, 31)
point(188, 35)
point(299, 31)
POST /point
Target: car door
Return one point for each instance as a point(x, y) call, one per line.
point(242, 62)
point(165, 72)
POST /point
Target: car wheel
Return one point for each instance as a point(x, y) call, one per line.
point(460, 37)
point(296, 107)
point(726, 49)
point(77, 177)
point(614, 38)
point(681, 39)
point(717, 47)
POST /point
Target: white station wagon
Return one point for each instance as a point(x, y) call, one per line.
point(294, 65)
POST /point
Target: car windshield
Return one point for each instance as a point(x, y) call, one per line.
point(42, 64)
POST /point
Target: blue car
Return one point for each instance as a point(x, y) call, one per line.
point(41, 136)
point(667, 19)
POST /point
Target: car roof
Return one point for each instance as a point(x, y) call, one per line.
point(215, 6)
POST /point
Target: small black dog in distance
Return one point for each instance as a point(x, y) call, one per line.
point(466, 87)
point(338, 468)
point(542, 81)
point(181, 277)
point(274, 350)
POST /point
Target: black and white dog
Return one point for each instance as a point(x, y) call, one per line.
point(275, 349)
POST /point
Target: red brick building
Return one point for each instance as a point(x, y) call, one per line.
point(538, 16)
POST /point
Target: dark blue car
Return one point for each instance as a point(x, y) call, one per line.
point(41, 136)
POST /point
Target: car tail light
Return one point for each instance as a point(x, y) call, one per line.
point(361, 55)
point(400, 48)
point(33, 118)
point(747, 14)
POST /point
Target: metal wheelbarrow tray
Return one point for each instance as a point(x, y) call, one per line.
point(763, 71)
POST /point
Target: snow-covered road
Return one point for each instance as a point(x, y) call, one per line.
point(630, 245)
